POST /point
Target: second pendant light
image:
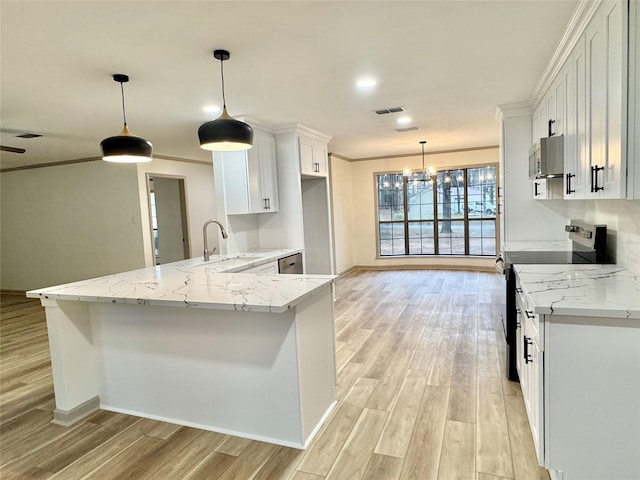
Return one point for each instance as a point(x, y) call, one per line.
point(225, 133)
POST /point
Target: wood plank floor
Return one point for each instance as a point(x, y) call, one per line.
point(421, 395)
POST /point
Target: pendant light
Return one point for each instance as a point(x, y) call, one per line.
point(225, 133)
point(125, 148)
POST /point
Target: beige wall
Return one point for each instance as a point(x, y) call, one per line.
point(342, 210)
point(69, 222)
point(355, 210)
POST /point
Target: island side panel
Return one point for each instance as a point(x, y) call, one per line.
point(316, 359)
point(232, 372)
point(74, 359)
point(592, 397)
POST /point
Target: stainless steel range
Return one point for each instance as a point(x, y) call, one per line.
point(588, 245)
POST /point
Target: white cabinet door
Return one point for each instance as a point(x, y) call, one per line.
point(539, 189)
point(268, 189)
point(574, 176)
point(532, 359)
point(606, 66)
point(250, 177)
point(313, 157)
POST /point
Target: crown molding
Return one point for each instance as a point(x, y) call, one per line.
point(517, 109)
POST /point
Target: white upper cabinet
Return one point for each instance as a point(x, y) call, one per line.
point(606, 47)
point(587, 104)
point(313, 156)
point(250, 177)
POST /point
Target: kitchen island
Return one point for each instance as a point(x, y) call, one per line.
point(195, 344)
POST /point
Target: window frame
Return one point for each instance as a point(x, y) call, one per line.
point(435, 221)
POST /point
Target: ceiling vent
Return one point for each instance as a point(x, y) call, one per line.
point(29, 135)
point(407, 129)
point(384, 111)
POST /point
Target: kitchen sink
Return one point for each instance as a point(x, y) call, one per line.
point(238, 260)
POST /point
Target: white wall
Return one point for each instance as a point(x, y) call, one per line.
point(200, 199)
point(69, 222)
point(359, 223)
point(525, 219)
point(622, 218)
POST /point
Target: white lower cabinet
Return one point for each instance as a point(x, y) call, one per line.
point(580, 381)
point(270, 267)
point(529, 364)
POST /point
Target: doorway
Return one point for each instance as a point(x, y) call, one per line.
point(168, 218)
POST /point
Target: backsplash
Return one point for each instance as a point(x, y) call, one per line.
point(622, 218)
point(243, 234)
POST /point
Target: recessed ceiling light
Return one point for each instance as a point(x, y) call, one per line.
point(366, 82)
point(211, 109)
point(404, 120)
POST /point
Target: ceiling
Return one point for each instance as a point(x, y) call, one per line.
point(449, 63)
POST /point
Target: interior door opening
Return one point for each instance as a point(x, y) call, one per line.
point(168, 218)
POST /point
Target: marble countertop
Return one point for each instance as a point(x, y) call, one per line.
point(581, 290)
point(198, 284)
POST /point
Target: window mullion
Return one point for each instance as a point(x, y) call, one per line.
point(405, 183)
point(466, 213)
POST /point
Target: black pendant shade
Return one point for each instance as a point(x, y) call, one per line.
point(225, 133)
point(125, 148)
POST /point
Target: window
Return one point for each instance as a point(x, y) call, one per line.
point(453, 213)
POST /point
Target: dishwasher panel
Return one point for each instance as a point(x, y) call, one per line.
point(290, 264)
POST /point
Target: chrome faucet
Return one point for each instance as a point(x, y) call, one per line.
point(208, 252)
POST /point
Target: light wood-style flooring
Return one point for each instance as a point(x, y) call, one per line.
point(421, 389)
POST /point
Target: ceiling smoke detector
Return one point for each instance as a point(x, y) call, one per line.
point(384, 111)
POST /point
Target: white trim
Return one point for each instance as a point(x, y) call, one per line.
point(66, 418)
point(320, 424)
point(517, 109)
point(200, 426)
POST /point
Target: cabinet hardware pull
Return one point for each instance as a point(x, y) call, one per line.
point(551, 122)
point(529, 314)
point(569, 190)
point(268, 203)
point(518, 289)
point(535, 189)
point(264, 203)
point(594, 178)
point(527, 357)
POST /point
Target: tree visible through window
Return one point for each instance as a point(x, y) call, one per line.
point(452, 213)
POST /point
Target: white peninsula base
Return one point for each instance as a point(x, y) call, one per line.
point(260, 375)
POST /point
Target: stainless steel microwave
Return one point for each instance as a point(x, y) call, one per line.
point(546, 158)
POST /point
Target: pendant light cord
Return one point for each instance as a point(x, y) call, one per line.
point(224, 101)
point(124, 113)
